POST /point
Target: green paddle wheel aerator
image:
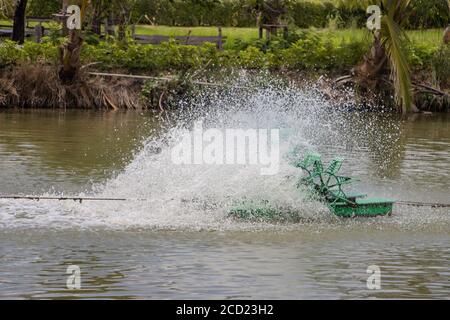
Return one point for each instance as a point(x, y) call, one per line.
point(327, 185)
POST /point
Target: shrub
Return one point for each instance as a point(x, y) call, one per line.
point(10, 53)
point(310, 50)
point(253, 58)
point(307, 14)
point(420, 55)
point(43, 8)
point(36, 52)
point(441, 65)
point(428, 14)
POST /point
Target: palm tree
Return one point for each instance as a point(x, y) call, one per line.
point(387, 54)
point(69, 53)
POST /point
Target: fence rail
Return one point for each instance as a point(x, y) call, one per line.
point(6, 30)
point(219, 40)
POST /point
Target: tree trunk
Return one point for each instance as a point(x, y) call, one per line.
point(371, 75)
point(109, 22)
point(65, 30)
point(18, 34)
point(69, 52)
point(69, 56)
point(123, 23)
point(374, 65)
point(121, 34)
point(96, 26)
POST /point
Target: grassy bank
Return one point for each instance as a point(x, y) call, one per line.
point(314, 52)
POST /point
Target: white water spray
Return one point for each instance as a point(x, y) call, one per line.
point(199, 197)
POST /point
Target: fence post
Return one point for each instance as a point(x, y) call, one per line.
point(109, 26)
point(220, 42)
point(188, 37)
point(38, 32)
point(133, 31)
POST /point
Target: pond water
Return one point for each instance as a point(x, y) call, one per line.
point(177, 241)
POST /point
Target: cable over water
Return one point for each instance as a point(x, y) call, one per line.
point(83, 199)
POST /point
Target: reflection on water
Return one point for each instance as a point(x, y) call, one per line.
point(237, 265)
point(63, 150)
point(45, 151)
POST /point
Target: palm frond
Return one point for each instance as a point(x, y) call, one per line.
point(393, 39)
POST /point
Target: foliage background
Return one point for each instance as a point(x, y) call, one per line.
point(241, 13)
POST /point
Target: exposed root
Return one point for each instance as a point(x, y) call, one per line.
point(7, 90)
point(38, 86)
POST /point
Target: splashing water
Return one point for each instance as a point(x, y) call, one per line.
point(200, 197)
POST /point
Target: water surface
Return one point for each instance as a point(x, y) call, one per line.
point(180, 243)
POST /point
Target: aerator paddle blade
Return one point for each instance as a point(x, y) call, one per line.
point(328, 186)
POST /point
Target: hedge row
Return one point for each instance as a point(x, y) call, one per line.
point(311, 51)
point(241, 13)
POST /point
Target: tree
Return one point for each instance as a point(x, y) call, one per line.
point(98, 14)
point(119, 10)
point(69, 52)
point(43, 8)
point(122, 11)
point(273, 10)
point(387, 54)
point(447, 31)
point(18, 34)
point(269, 11)
point(6, 8)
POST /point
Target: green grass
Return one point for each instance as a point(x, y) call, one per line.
point(431, 37)
point(6, 22)
point(31, 24)
point(231, 34)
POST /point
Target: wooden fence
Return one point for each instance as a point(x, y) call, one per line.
point(38, 31)
point(219, 40)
